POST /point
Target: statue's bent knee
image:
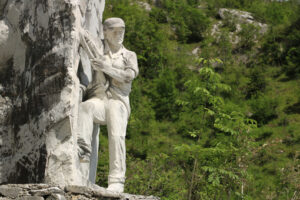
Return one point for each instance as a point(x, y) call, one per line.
point(86, 107)
point(85, 122)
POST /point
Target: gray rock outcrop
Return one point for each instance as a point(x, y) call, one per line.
point(241, 17)
point(145, 5)
point(235, 20)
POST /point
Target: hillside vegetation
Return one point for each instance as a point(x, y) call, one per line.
point(219, 123)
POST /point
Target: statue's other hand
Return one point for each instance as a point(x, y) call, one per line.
point(97, 63)
point(101, 62)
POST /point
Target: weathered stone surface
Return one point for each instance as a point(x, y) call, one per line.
point(196, 51)
point(56, 197)
point(11, 192)
point(31, 198)
point(39, 87)
point(145, 5)
point(28, 192)
point(47, 191)
point(76, 189)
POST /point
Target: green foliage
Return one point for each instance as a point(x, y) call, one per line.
point(189, 22)
point(165, 94)
point(257, 83)
point(159, 15)
point(217, 138)
point(282, 48)
point(292, 67)
point(188, 135)
point(272, 49)
point(248, 35)
point(193, 3)
point(165, 177)
point(264, 109)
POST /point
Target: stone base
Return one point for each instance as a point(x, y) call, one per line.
point(72, 192)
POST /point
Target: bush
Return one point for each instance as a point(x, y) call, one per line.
point(165, 94)
point(189, 23)
point(292, 67)
point(272, 51)
point(247, 35)
point(257, 83)
point(264, 109)
point(159, 15)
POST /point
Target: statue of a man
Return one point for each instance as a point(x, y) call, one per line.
point(108, 100)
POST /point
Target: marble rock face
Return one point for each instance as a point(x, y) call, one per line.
point(39, 87)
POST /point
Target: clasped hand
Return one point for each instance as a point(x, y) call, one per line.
point(101, 63)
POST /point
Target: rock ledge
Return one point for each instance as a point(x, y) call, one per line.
point(72, 192)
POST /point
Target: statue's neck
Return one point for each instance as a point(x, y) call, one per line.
point(114, 48)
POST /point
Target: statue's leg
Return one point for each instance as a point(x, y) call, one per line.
point(94, 154)
point(117, 116)
point(90, 112)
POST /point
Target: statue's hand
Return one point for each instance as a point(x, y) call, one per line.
point(101, 62)
point(97, 63)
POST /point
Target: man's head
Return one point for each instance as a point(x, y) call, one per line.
point(114, 29)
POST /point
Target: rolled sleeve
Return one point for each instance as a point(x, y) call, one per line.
point(131, 63)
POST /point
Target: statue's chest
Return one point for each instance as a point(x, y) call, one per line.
point(118, 62)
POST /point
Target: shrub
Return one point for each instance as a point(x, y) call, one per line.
point(189, 23)
point(264, 109)
point(257, 83)
point(159, 15)
point(292, 67)
point(248, 35)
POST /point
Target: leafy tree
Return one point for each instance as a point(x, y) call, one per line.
point(210, 177)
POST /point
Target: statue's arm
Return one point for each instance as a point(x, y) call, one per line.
point(123, 75)
point(90, 44)
point(119, 74)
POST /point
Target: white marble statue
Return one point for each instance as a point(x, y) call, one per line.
point(114, 68)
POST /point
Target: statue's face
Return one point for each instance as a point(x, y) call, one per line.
point(115, 35)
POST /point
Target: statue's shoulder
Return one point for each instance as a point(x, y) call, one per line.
point(129, 54)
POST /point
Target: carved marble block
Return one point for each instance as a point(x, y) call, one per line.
point(40, 88)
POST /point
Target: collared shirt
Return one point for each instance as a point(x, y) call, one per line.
point(104, 85)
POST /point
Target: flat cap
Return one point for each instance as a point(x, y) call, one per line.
point(113, 22)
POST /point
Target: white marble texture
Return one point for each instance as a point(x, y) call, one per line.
point(108, 102)
point(40, 89)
